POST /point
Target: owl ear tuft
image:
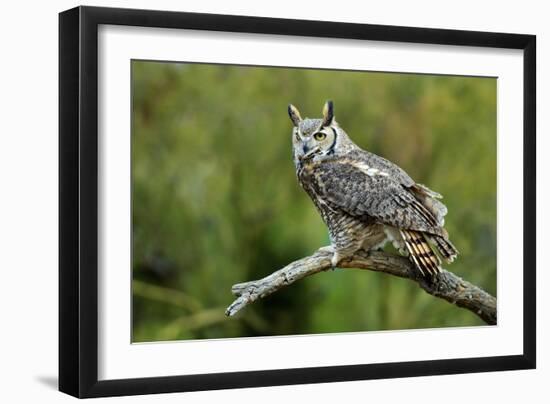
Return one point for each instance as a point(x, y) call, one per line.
point(328, 113)
point(294, 115)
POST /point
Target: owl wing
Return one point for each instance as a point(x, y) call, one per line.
point(427, 197)
point(384, 165)
point(359, 190)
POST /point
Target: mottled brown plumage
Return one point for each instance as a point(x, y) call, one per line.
point(364, 199)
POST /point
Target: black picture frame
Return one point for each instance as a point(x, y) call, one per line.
point(78, 200)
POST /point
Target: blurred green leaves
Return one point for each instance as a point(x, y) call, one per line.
point(216, 202)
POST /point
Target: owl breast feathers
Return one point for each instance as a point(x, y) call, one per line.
point(366, 200)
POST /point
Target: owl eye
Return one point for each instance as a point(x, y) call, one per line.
point(319, 136)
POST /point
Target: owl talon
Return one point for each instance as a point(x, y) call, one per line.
point(335, 260)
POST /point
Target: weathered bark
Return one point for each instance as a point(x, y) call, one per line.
point(446, 286)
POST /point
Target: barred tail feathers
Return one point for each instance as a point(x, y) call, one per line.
point(421, 253)
point(445, 248)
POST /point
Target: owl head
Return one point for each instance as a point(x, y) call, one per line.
point(316, 139)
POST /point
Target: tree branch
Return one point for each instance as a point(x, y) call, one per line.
point(446, 286)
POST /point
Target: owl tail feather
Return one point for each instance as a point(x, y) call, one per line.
point(421, 253)
point(445, 248)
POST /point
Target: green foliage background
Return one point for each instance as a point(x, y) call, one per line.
point(216, 202)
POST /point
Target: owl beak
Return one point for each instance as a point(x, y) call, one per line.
point(308, 153)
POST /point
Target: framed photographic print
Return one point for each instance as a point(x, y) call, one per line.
point(251, 201)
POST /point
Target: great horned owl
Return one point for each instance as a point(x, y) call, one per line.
point(366, 200)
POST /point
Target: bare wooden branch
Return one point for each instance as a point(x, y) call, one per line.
point(446, 286)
